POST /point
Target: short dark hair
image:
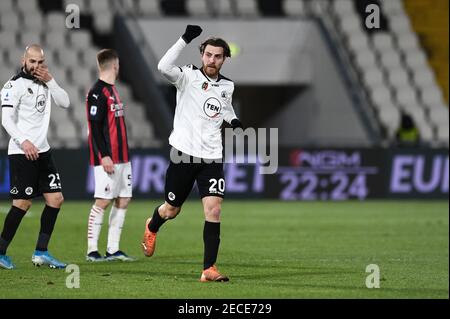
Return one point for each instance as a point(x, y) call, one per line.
point(105, 56)
point(216, 42)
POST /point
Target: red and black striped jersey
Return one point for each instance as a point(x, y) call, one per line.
point(107, 132)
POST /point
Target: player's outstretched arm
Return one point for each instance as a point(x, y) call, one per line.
point(167, 63)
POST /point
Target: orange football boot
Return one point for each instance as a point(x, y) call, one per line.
point(149, 241)
point(212, 274)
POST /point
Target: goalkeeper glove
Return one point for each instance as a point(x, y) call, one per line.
point(192, 31)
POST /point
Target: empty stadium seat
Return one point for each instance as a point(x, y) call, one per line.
point(222, 8)
point(400, 24)
point(443, 134)
point(103, 22)
point(373, 77)
point(6, 72)
point(55, 40)
point(439, 116)
point(416, 59)
point(197, 8)
point(59, 73)
point(67, 132)
point(149, 7)
point(432, 95)
point(27, 5)
point(130, 6)
point(390, 119)
point(381, 96)
point(81, 77)
point(406, 97)
point(365, 59)
point(89, 57)
point(425, 131)
point(68, 57)
point(10, 21)
point(343, 7)
point(398, 77)
point(80, 39)
point(99, 6)
point(33, 21)
point(247, 8)
point(408, 41)
point(14, 56)
point(294, 8)
point(6, 6)
point(350, 24)
point(29, 37)
point(56, 21)
point(390, 59)
point(392, 7)
point(382, 42)
point(8, 39)
point(358, 41)
point(423, 77)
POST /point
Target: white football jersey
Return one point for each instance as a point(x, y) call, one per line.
point(31, 102)
point(202, 106)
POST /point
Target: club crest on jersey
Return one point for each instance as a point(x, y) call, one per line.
point(205, 86)
point(30, 91)
point(212, 107)
point(41, 101)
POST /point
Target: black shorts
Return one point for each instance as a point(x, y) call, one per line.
point(180, 178)
point(29, 179)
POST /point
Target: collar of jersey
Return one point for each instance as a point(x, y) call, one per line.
point(24, 75)
point(219, 77)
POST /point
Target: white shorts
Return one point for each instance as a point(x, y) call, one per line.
point(110, 186)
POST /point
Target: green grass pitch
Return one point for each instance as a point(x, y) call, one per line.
point(269, 249)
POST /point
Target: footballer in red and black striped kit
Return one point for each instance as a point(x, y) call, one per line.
point(108, 152)
point(107, 129)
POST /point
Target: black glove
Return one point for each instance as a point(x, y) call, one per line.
point(192, 31)
point(236, 124)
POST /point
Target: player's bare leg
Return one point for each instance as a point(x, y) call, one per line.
point(211, 238)
point(41, 256)
point(161, 214)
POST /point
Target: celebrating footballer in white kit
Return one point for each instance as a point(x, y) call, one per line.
point(204, 98)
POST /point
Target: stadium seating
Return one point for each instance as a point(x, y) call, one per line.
point(394, 70)
point(71, 59)
point(392, 65)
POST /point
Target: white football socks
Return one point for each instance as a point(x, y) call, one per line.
point(116, 221)
point(94, 228)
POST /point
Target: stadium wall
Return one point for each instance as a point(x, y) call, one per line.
point(303, 174)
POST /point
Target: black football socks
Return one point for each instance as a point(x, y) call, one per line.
point(48, 220)
point(12, 222)
point(211, 239)
point(156, 222)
